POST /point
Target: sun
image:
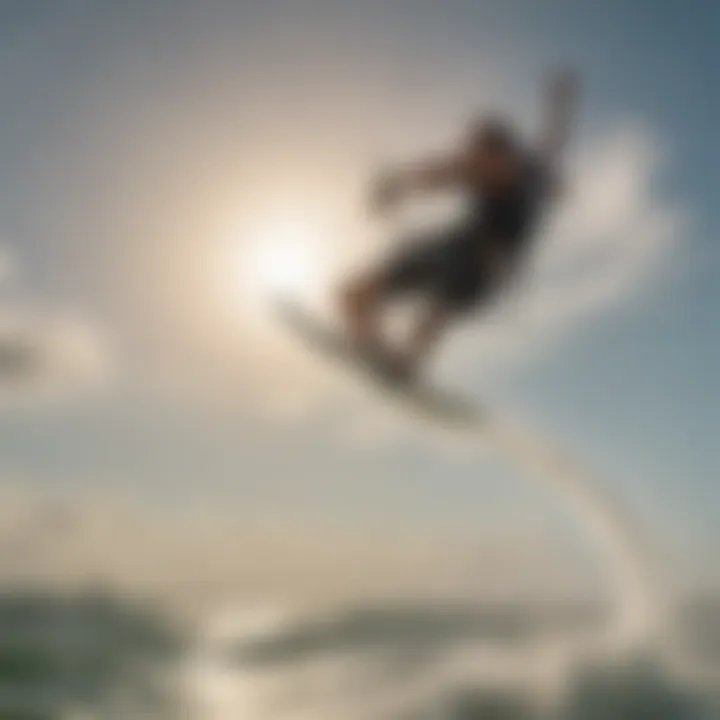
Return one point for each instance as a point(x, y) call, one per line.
point(280, 258)
point(284, 260)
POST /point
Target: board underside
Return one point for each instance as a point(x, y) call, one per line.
point(321, 337)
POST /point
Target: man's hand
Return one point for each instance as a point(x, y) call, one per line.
point(560, 102)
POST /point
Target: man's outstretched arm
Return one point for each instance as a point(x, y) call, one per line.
point(560, 109)
point(435, 174)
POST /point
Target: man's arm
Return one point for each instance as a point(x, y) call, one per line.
point(435, 174)
point(560, 106)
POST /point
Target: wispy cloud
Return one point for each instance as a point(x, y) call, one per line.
point(47, 353)
point(199, 557)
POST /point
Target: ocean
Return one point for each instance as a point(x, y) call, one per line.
point(93, 654)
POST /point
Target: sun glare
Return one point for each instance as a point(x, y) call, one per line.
point(281, 259)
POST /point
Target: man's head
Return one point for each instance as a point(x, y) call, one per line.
point(494, 150)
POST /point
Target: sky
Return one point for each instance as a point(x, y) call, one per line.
point(159, 159)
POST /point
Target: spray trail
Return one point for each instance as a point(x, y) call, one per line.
point(638, 611)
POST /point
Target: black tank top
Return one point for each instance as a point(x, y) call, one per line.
point(509, 217)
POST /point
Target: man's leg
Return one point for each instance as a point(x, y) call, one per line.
point(363, 299)
point(361, 302)
point(425, 336)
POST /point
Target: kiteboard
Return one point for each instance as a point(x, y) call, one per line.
point(419, 395)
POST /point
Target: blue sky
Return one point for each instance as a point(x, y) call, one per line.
point(134, 134)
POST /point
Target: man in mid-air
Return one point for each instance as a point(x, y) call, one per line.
point(453, 271)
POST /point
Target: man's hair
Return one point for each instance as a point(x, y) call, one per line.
point(494, 133)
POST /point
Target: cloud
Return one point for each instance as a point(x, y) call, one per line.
point(47, 354)
point(198, 557)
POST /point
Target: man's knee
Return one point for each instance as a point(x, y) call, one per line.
point(359, 293)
